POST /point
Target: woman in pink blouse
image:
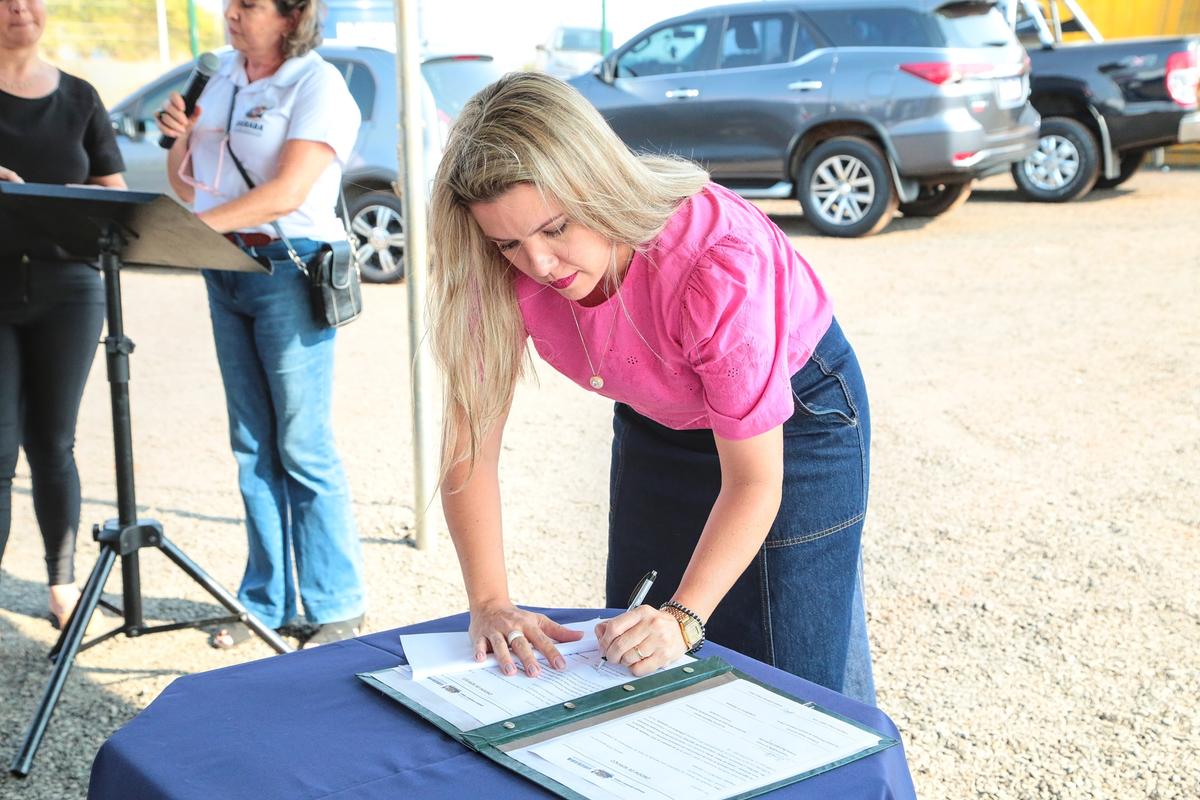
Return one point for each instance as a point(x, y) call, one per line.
point(741, 431)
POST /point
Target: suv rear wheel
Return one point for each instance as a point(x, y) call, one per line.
point(935, 199)
point(1065, 165)
point(377, 220)
point(845, 188)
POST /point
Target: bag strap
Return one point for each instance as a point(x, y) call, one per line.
point(237, 162)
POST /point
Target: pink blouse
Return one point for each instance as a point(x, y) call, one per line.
point(710, 323)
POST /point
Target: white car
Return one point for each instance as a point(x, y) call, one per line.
point(571, 51)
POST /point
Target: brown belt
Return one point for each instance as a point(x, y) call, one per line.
point(250, 239)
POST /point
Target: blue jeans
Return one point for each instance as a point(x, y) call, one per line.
point(799, 604)
point(277, 367)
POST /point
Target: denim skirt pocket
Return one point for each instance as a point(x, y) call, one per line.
point(829, 385)
point(826, 447)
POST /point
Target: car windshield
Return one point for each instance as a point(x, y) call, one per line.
point(454, 80)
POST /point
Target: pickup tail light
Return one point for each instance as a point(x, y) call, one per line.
point(940, 72)
point(1183, 77)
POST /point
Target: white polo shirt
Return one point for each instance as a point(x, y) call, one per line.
point(305, 99)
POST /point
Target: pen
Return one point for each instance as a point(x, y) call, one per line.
point(639, 594)
point(643, 589)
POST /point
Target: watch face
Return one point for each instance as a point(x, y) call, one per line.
point(690, 629)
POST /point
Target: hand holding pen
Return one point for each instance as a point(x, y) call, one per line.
point(636, 599)
point(643, 638)
point(639, 596)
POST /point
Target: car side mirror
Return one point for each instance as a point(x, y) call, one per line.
point(127, 126)
point(607, 70)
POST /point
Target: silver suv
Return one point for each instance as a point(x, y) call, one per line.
point(854, 107)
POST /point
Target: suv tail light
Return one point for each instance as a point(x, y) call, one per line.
point(1183, 77)
point(940, 72)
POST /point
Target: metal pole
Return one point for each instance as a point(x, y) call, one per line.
point(164, 43)
point(1056, 20)
point(411, 158)
point(118, 348)
point(193, 31)
point(1084, 20)
point(1034, 12)
point(603, 27)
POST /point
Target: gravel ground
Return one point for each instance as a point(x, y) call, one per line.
point(1031, 547)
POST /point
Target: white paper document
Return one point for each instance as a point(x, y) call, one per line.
point(716, 743)
point(469, 700)
point(449, 653)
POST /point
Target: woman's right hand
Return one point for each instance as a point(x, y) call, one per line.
point(7, 174)
point(172, 120)
point(490, 629)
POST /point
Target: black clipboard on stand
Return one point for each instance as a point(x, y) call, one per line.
point(115, 228)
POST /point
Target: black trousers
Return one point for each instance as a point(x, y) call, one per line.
point(50, 320)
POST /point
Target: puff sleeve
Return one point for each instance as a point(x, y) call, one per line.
point(733, 328)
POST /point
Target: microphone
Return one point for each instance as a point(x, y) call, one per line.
point(206, 66)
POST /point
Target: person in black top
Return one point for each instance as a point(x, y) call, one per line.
point(53, 129)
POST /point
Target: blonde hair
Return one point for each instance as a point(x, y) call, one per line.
point(306, 34)
point(526, 128)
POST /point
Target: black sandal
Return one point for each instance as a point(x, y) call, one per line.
point(328, 632)
point(297, 628)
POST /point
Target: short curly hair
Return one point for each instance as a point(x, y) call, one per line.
point(309, 16)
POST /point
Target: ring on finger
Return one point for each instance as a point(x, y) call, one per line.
point(641, 656)
point(512, 636)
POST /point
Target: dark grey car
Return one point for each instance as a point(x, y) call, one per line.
point(375, 209)
point(854, 107)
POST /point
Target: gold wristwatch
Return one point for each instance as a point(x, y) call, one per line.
point(690, 625)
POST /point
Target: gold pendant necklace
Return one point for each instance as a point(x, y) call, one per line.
point(596, 381)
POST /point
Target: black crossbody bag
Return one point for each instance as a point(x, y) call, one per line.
point(334, 285)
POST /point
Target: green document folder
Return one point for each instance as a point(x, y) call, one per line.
point(498, 740)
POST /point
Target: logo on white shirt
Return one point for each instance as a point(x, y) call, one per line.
point(252, 123)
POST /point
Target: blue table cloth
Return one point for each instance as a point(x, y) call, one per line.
point(302, 726)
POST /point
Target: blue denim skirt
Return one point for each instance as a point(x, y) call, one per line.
point(793, 605)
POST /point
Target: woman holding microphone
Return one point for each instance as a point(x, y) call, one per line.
point(278, 111)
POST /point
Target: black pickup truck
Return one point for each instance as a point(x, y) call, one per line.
point(1104, 104)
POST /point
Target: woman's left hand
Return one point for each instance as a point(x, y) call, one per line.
point(644, 639)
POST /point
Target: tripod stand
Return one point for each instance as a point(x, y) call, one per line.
point(121, 223)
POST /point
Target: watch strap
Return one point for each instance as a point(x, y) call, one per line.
point(682, 614)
